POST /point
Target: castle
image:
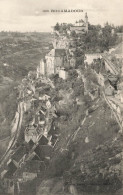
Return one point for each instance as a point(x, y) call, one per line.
point(80, 26)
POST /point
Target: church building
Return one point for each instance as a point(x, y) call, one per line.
point(52, 63)
point(55, 60)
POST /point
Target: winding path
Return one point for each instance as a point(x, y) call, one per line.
point(15, 136)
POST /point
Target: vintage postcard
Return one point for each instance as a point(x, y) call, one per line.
point(61, 97)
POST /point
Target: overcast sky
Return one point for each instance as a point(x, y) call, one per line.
point(28, 15)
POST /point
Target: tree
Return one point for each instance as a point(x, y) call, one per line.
point(73, 34)
point(72, 74)
point(57, 27)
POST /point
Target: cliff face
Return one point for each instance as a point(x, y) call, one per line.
point(88, 154)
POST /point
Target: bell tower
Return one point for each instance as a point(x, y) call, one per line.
point(86, 21)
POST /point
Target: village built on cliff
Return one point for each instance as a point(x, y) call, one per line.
point(55, 61)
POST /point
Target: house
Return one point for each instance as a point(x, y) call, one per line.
point(63, 74)
point(31, 133)
point(33, 156)
point(109, 90)
point(55, 60)
point(32, 169)
point(19, 155)
point(90, 57)
point(30, 145)
point(9, 172)
point(44, 151)
point(80, 27)
point(43, 140)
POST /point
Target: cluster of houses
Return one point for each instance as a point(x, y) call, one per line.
point(28, 162)
point(42, 119)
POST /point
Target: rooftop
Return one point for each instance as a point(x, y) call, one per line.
point(19, 153)
point(9, 173)
point(33, 166)
point(44, 151)
point(57, 53)
point(43, 140)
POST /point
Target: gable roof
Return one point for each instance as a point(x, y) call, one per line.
point(107, 83)
point(44, 151)
point(30, 144)
point(19, 153)
point(33, 156)
point(9, 173)
point(34, 166)
point(43, 140)
point(57, 53)
point(31, 130)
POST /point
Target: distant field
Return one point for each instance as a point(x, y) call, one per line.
point(22, 52)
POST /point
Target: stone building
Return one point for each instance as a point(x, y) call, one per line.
point(31, 134)
point(109, 90)
point(52, 63)
point(55, 60)
point(90, 57)
point(63, 74)
point(80, 26)
point(41, 69)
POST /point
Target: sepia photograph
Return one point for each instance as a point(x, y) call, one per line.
point(61, 97)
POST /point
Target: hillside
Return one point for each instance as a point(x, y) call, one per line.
point(19, 54)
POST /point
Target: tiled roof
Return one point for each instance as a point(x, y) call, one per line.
point(44, 151)
point(33, 156)
point(30, 145)
point(43, 140)
point(10, 172)
point(57, 53)
point(19, 153)
point(33, 166)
